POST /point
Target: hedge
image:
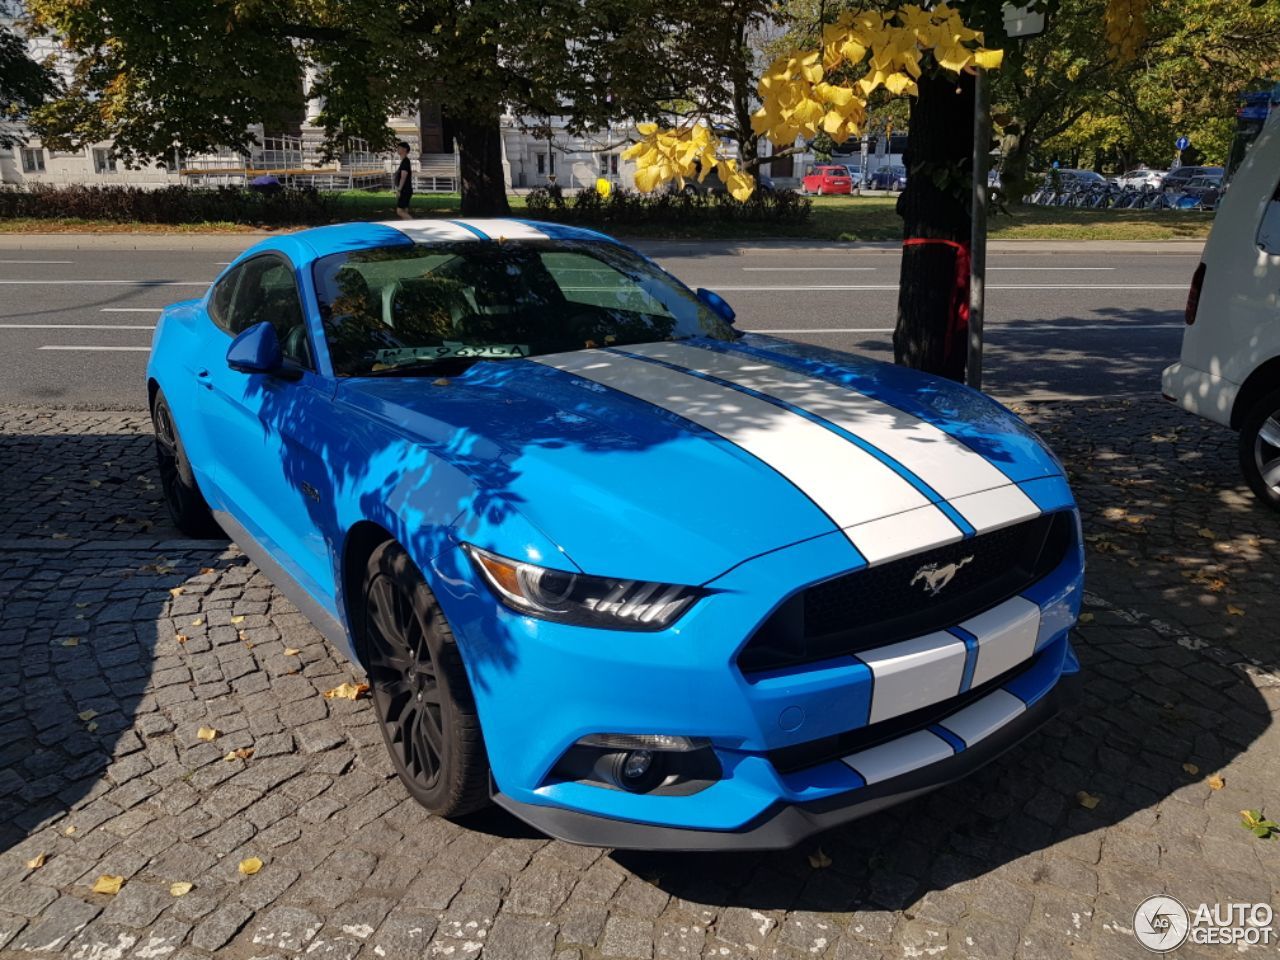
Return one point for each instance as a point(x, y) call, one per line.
point(171, 205)
point(628, 208)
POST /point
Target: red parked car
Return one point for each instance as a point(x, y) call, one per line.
point(827, 179)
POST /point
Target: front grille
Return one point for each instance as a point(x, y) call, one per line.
point(873, 607)
point(803, 755)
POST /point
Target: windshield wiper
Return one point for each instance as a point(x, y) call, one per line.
point(446, 365)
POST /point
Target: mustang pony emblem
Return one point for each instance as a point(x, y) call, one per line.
point(936, 577)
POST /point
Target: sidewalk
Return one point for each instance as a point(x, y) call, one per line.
point(118, 642)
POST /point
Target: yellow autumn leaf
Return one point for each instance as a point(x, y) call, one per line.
point(35, 863)
point(87, 715)
point(1086, 618)
point(108, 883)
point(91, 726)
point(198, 622)
point(1087, 800)
point(1234, 611)
point(819, 860)
point(175, 591)
point(989, 59)
point(181, 638)
point(69, 830)
point(347, 691)
point(250, 866)
point(1216, 782)
point(180, 888)
point(207, 734)
point(71, 641)
point(244, 753)
point(1191, 768)
point(239, 619)
point(291, 651)
point(646, 129)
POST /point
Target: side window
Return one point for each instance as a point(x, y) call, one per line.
point(267, 291)
point(220, 302)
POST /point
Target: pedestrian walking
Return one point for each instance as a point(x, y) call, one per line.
point(403, 182)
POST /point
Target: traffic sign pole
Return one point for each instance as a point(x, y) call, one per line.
point(978, 235)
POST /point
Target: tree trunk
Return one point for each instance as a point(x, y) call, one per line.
point(484, 189)
point(933, 296)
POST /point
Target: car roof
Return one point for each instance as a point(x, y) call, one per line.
point(346, 237)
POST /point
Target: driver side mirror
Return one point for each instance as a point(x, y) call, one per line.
point(717, 304)
point(257, 350)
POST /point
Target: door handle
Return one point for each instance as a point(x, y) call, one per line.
point(203, 375)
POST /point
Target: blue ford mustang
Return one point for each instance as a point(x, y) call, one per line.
point(640, 579)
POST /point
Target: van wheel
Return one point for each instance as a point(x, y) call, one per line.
point(420, 691)
point(1260, 449)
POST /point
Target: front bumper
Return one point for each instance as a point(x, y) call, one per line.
point(784, 825)
point(1199, 392)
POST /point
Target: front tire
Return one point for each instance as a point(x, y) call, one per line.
point(186, 504)
point(420, 691)
point(1260, 449)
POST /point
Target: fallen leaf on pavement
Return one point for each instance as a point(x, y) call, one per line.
point(198, 622)
point(1234, 611)
point(87, 715)
point(204, 570)
point(237, 619)
point(1207, 533)
point(347, 691)
point(175, 591)
point(207, 733)
point(1087, 800)
point(250, 866)
point(36, 862)
point(1258, 825)
point(91, 726)
point(179, 889)
point(291, 651)
point(1086, 618)
point(71, 828)
point(1216, 782)
point(244, 753)
point(1191, 768)
point(71, 641)
point(819, 860)
point(182, 638)
point(107, 883)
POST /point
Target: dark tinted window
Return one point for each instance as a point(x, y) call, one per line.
point(449, 305)
point(220, 301)
point(267, 292)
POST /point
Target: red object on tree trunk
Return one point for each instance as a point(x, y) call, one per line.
point(955, 342)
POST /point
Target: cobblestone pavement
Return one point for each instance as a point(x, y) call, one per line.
point(118, 643)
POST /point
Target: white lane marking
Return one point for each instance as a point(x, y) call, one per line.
point(135, 283)
point(991, 286)
point(849, 484)
point(914, 673)
point(937, 458)
point(984, 717)
point(75, 326)
point(1006, 637)
point(132, 309)
point(430, 231)
point(1038, 328)
point(37, 261)
point(899, 756)
point(801, 269)
point(69, 347)
point(496, 228)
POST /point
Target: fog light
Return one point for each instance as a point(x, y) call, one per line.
point(637, 764)
point(644, 741)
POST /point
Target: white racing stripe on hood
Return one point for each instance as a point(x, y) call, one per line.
point(430, 231)
point(496, 228)
point(940, 460)
point(850, 485)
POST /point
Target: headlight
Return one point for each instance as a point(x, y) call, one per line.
point(580, 599)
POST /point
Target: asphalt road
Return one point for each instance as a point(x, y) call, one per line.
point(75, 324)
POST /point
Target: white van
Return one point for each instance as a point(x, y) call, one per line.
point(1230, 366)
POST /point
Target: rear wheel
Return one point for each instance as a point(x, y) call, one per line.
point(1260, 449)
point(186, 504)
point(420, 689)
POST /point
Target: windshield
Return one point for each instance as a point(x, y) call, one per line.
point(417, 309)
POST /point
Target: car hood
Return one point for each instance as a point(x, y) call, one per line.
point(678, 461)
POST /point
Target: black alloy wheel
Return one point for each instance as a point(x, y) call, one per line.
point(419, 687)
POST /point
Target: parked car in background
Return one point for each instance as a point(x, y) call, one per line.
point(892, 177)
point(827, 178)
point(638, 577)
point(713, 185)
point(1229, 370)
point(1200, 193)
point(855, 173)
point(1176, 180)
point(1141, 177)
